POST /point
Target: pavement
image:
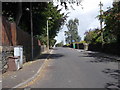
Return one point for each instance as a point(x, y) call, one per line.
point(32, 68)
point(15, 79)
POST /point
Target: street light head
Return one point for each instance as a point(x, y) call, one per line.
point(27, 9)
point(49, 17)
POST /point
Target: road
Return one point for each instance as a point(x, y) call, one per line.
point(70, 68)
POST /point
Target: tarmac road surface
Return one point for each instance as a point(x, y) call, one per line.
point(70, 68)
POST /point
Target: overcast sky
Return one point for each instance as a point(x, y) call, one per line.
point(87, 16)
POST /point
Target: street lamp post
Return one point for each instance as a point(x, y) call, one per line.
point(31, 29)
point(48, 35)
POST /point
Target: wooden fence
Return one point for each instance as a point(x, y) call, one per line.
point(14, 36)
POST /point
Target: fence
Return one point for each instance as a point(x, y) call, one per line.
point(13, 36)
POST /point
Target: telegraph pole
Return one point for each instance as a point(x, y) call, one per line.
point(101, 13)
point(31, 29)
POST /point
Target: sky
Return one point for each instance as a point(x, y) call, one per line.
point(86, 16)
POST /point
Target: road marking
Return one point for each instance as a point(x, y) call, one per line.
point(30, 80)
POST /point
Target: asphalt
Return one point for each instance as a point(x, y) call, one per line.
point(67, 68)
point(70, 68)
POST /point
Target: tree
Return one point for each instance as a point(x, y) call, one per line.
point(112, 22)
point(13, 11)
point(65, 3)
point(40, 11)
point(72, 33)
point(20, 12)
point(93, 36)
point(68, 38)
point(111, 18)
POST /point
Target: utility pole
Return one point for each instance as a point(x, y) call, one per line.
point(101, 13)
point(0, 26)
point(31, 29)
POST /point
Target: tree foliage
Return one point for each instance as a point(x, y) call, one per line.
point(41, 11)
point(93, 36)
point(65, 3)
point(111, 31)
point(112, 22)
point(72, 33)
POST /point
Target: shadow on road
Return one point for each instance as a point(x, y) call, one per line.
point(98, 57)
point(50, 56)
point(112, 86)
point(113, 73)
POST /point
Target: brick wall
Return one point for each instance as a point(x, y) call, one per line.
point(13, 36)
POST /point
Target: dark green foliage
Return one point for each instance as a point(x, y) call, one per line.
point(93, 36)
point(72, 33)
point(52, 42)
point(112, 22)
point(111, 31)
point(40, 11)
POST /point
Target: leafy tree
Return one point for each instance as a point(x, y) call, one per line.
point(111, 18)
point(68, 38)
point(42, 38)
point(20, 13)
point(41, 11)
point(72, 33)
point(65, 3)
point(112, 23)
point(52, 42)
point(93, 36)
point(12, 10)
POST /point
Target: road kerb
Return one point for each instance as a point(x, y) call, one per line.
point(35, 75)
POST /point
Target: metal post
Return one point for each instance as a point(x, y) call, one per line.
point(101, 23)
point(31, 29)
point(0, 25)
point(1, 44)
point(47, 38)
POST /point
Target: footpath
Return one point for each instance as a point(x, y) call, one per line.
point(14, 79)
